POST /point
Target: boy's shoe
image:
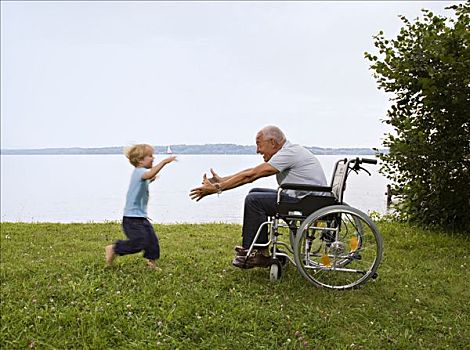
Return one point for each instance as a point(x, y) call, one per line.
point(256, 260)
point(109, 254)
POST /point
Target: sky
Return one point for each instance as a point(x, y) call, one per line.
point(114, 73)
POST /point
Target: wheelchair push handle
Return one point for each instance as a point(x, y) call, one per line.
point(369, 161)
point(357, 164)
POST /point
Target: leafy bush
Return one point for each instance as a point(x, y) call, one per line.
point(427, 71)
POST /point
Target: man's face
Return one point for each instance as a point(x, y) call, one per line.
point(266, 147)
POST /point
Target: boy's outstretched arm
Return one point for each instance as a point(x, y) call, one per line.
point(156, 168)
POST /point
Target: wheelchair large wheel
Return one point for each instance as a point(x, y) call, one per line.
point(338, 247)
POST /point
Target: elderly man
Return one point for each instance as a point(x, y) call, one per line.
point(289, 162)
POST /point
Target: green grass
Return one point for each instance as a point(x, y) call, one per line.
point(57, 294)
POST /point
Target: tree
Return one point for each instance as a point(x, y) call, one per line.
point(427, 71)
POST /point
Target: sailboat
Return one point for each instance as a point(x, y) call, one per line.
point(168, 150)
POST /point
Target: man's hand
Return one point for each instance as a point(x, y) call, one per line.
point(206, 189)
point(215, 178)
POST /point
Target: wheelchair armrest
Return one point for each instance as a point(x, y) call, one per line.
point(302, 187)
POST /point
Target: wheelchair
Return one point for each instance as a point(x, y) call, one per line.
point(332, 244)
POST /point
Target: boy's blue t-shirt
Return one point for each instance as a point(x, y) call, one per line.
point(137, 195)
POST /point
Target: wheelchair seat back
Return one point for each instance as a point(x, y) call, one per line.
point(338, 180)
point(319, 198)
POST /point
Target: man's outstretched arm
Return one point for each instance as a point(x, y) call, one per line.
point(229, 182)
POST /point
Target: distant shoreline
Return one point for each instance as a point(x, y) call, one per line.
point(183, 149)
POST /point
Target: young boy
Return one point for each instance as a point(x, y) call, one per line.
point(139, 231)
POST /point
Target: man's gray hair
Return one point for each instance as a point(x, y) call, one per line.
point(273, 132)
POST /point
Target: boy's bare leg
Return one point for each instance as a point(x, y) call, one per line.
point(110, 254)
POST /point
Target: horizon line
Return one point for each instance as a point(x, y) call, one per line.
point(171, 145)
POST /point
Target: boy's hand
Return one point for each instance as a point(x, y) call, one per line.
point(170, 159)
point(150, 175)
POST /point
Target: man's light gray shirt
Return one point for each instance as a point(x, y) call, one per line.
point(298, 165)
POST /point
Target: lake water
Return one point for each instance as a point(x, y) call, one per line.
point(92, 188)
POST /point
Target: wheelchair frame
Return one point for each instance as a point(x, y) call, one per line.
point(332, 244)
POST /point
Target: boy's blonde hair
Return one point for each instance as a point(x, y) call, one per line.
point(136, 153)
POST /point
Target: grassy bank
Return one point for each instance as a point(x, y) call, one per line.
point(57, 294)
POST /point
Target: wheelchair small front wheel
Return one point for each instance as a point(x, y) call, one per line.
point(275, 272)
point(280, 256)
point(338, 247)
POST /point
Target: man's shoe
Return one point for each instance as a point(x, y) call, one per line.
point(255, 260)
point(259, 260)
point(240, 261)
point(241, 251)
